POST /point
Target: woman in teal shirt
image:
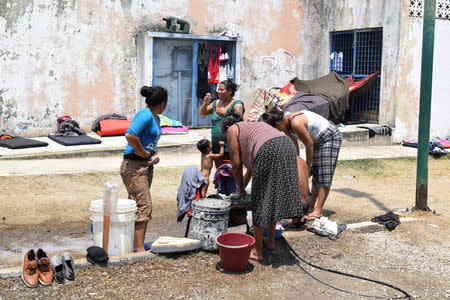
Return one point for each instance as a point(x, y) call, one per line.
point(217, 109)
point(140, 156)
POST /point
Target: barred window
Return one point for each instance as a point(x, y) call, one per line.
point(358, 53)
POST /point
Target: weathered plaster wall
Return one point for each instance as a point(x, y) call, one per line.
point(407, 110)
point(67, 57)
point(78, 57)
point(440, 103)
point(322, 17)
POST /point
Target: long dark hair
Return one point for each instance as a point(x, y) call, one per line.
point(230, 118)
point(230, 86)
point(273, 117)
point(154, 95)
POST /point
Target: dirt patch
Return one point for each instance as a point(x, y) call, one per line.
point(415, 256)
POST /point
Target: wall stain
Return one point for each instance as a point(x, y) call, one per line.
point(12, 11)
point(126, 4)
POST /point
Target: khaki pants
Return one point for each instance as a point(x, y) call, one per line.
point(137, 176)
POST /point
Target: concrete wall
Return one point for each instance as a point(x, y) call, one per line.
point(406, 118)
point(78, 57)
point(440, 103)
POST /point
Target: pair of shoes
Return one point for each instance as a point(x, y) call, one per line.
point(36, 269)
point(63, 267)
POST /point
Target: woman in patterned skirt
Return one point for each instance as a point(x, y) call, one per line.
point(322, 141)
point(270, 159)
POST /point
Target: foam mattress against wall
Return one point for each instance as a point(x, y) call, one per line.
point(74, 140)
point(21, 143)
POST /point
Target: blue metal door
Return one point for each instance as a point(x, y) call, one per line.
point(175, 68)
point(172, 69)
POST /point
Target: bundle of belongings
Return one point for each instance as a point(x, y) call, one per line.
point(436, 146)
point(11, 141)
point(110, 125)
point(69, 133)
point(327, 96)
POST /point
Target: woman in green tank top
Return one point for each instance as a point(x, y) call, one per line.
point(217, 109)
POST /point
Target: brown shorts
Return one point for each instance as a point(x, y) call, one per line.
point(137, 176)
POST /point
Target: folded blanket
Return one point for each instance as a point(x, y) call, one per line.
point(175, 130)
point(165, 121)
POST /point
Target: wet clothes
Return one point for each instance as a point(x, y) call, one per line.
point(216, 132)
point(224, 181)
point(191, 181)
point(389, 219)
point(146, 128)
point(275, 188)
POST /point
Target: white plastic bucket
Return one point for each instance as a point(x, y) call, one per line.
point(121, 228)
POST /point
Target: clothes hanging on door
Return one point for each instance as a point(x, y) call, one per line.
point(202, 72)
point(223, 56)
point(213, 66)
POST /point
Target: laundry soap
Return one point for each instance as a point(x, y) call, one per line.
point(167, 244)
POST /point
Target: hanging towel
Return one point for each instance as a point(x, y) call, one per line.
point(213, 66)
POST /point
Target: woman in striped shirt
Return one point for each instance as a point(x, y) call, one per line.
point(270, 159)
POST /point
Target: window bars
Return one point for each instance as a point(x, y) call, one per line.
point(358, 53)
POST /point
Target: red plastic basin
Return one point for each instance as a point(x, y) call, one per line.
point(234, 250)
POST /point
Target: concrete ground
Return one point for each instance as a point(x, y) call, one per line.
point(175, 150)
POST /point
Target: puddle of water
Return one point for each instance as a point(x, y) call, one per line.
point(15, 253)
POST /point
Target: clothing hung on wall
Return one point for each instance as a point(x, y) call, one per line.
point(212, 69)
point(213, 66)
point(202, 71)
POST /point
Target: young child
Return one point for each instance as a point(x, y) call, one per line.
point(205, 147)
